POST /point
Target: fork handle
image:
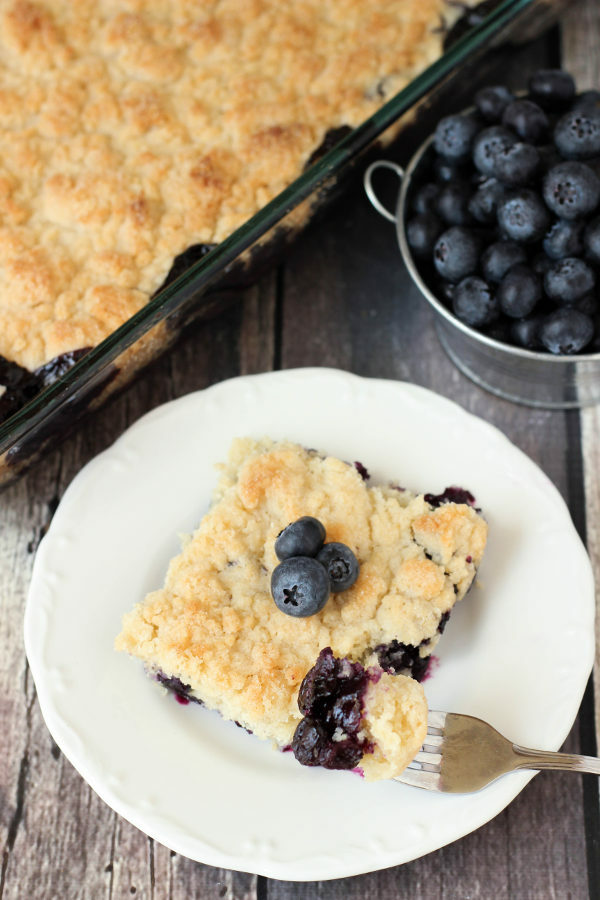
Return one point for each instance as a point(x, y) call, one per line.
point(547, 759)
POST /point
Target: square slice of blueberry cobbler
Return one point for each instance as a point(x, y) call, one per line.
point(298, 545)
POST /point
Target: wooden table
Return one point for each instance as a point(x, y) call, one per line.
point(340, 299)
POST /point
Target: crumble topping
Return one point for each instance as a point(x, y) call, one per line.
point(215, 626)
point(131, 130)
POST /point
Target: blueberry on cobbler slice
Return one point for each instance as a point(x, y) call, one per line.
point(300, 586)
point(341, 565)
point(309, 569)
point(326, 655)
point(304, 537)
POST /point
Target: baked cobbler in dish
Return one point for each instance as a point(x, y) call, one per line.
point(335, 684)
point(132, 131)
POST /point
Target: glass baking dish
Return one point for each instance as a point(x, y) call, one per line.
point(35, 427)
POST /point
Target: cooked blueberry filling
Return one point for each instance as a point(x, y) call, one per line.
point(450, 495)
point(332, 137)
point(443, 621)
point(183, 692)
point(397, 657)
point(362, 471)
point(470, 18)
point(331, 701)
point(182, 263)
point(239, 725)
point(59, 366)
point(21, 385)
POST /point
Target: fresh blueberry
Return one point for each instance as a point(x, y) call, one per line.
point(499, 258)
point(564, 239)
point(594, 345)
point(588, 101)
point(566, 331)
point(552, 89)
point(304, 537)
point(340, 564)
point(527, 119)
point(517, 165)
point(483, 204)
point(526, 332)
point(571, 190)
point(453, 203)
point(476, 178)
point(445, 289)
point(549, 156)
point(577, 134)
point(499, 330)
point(587, 304)
point(456, 253)
point(594, 164)
point(453, 137)
point(425, 198)
point(422, 231)
point(523, 217)
point(492, 101)
point(569, 279)
point(591, 241)
point(519, 292)
point(541, 263)
point(445, 171)
point(488, 144)
point(474, 302)
point(300, 586)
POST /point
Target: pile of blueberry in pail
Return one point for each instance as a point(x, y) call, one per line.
point(503, 220)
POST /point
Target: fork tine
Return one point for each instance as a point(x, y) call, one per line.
point(420, 778)
point(436, 721)
point(429, 759)
point(424, 770)
point(433, 742)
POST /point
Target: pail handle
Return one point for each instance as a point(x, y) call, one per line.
point(370, 190)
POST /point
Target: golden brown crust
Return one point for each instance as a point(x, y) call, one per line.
point(215, 625)
point(130, 131)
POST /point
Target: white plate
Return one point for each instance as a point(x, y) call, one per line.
point(517, 652)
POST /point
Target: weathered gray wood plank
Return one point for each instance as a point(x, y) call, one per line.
point(581, 54)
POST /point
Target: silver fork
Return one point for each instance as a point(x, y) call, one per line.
point(462, 754)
